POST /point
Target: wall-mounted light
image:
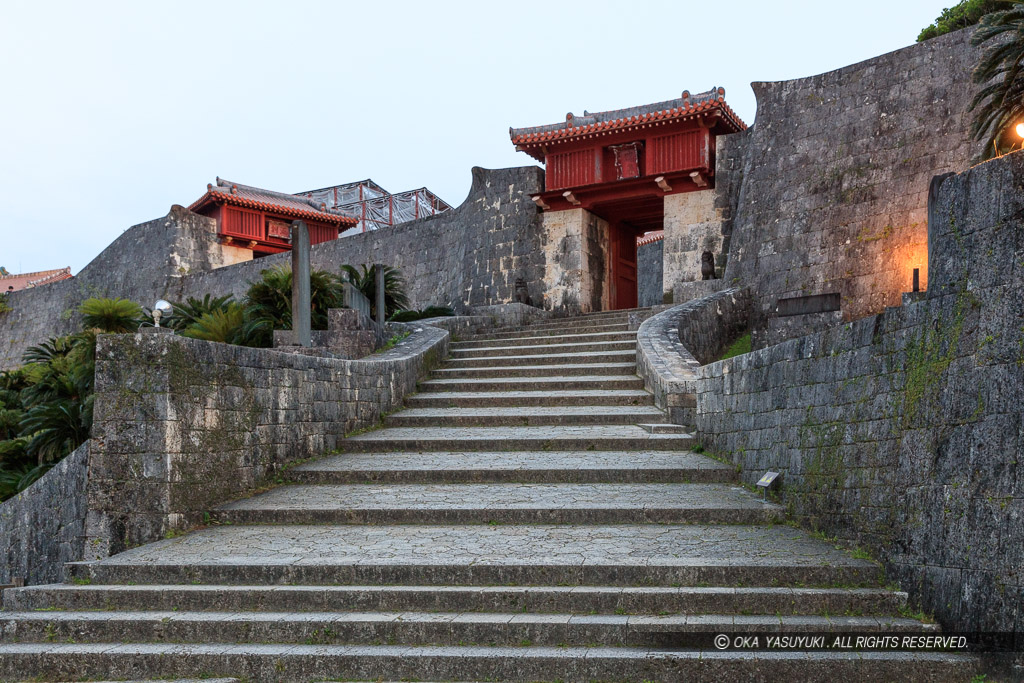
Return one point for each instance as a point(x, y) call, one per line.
point(1020, 129)
point(160, 309)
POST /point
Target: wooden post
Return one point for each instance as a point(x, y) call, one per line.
point(301, 292)
point(378, 272)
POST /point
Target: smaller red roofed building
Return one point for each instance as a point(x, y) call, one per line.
point(259, 220)
point(17, 281)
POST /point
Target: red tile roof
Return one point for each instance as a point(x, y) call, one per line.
point(650, 237)
point(687, 106)
point(16, 281)
point(226, 192)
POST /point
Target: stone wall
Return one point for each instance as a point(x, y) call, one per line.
point(672, 345)
point(904, 432)
point(649, 257)
point(469, 256)
point(145, 263)
point(836, 173)
point(43, 527)
point(576, 262)
point(182, 425)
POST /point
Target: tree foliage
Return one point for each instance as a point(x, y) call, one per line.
point(364, 278)
point(966, 13)
point(999, 104)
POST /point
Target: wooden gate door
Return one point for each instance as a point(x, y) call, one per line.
point(623, 267)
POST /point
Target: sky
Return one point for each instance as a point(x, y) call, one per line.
point(111, 112)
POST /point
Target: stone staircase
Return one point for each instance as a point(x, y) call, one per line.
point(513, 523)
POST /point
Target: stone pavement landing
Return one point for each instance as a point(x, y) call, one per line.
point(515, 523)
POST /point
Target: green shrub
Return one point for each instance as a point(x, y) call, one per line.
point(364, 279)
point(268, 302)
point(228, 325)
point(186, 313)
point(966, 13)
point(111, 315)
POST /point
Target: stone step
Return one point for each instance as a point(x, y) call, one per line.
point(517, 599)
point(555, 370)
point(532, 360)
point(302, 663)
point(488, 399)
point(569, 349)
point(547, 331)
point(562, 438)
point(534, 384)
point(473, 555)
point(445, 504)
point(497, 467)
point(520, 416)
point(583, 338)
point(416, 628)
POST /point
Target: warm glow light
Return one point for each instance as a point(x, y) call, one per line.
point(1020, 129)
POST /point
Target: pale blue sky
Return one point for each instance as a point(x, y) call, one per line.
point(112, 112)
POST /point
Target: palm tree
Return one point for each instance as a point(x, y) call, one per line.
point(395, 298)
point(186, 313)
point(999, 105)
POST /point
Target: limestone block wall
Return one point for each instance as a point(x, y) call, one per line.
point(43, 527)
point(836, 172)
point(649, 276)
point(672, 345)
point(469, 256)
point(182, 425)
point(576, 261)
point(691, 226)
point(145, 263)
point(904, 432)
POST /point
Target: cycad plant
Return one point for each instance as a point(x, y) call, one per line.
point(999, 105)
point(188, 312)
point(268, 302)
point(364, 279)
point(113, 316)
point(228, 325)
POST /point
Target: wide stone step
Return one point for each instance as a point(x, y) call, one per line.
point(473, 555)
point(501, 503)
point(288, 662)
point(583, 338)
point(690, 600)
point(534, 384)
point(569, 350)
point(416, 628)
point(554, 369)
point(524, 416)
point(548, 330)
point(528, 466)
point(562, 438)
point(624, 356)
point(484, 399)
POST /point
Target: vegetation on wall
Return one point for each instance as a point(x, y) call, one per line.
point(999, 105)
point(966, 13)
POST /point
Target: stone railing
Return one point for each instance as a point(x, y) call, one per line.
point(672, 345)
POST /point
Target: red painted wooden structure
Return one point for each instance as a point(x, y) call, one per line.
point(621, 164)
point(260, 220)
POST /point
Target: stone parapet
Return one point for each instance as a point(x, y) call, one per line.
point(672, 345)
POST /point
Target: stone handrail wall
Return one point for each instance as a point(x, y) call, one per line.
point(672, 345)
point(904, 432)
point(43, 527)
